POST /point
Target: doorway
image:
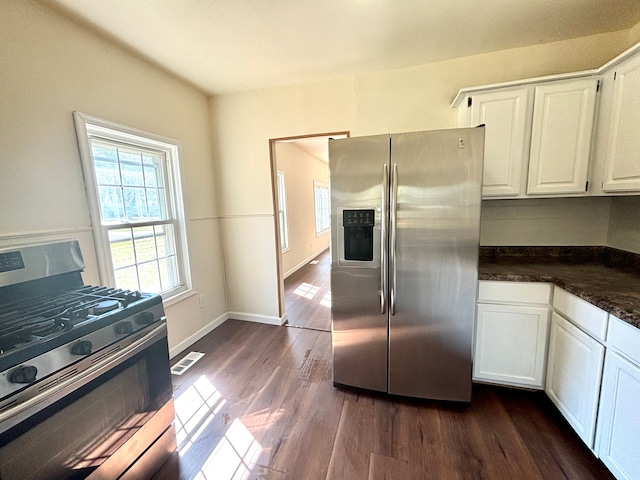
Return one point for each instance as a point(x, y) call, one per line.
point(300, 183)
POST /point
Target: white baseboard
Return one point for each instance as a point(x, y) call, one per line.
point(251, 317)
point(304, 262)
point(182, 346)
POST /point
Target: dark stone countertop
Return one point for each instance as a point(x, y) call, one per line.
point(605, 277)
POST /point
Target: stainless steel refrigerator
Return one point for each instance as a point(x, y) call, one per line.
point(405, 223)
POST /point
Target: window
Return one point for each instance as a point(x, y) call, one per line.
point(133, 184)
point(321, 196)
point(282, 211)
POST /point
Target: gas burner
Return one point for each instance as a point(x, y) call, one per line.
point(104, 307)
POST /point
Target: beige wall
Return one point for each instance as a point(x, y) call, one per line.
point(301, 169)
point(50, 67)
point(634, 35)
point(405, 99)
point(242, 126)
point(545, 221)
point(624, 224)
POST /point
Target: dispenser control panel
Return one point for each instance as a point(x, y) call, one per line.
point(358, 218)
point(358, 234)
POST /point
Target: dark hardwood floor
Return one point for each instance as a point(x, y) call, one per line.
point(261, 405)
point(307, 296)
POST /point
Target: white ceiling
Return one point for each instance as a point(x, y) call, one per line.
point(224, 46)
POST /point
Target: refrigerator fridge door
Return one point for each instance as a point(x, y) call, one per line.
point(436, 181)
point(358, 260)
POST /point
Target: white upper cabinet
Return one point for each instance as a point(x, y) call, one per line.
point(505, 114)
point(540, 139)
point(622, 161)
point(563, 115)
point(537, 136)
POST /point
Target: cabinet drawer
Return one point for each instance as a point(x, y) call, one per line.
point(514, 292)
point(625, 338)
point(588, 317)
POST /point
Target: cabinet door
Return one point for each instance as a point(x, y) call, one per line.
point(622, 164)
point(574, 371)
point(561, 137)
point(505, 115)
point(510, 345)
point(619, 422)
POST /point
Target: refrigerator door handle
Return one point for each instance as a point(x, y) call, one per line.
point(393, 207)
point(383, 244)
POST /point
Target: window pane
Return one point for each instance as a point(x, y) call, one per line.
point(150, 176)
point(111, 204)
point(149, 277)
point(132, 174)
point(153, 203)
point(135, 203)
point(321, 195)
point(165, 240)
point(144, 258)
point(282, 210)
point(145, 245)
point(122, 254)
point(168, 272)
point(127, 278)
point(107, 171)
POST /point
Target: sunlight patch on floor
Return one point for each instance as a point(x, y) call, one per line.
point(306, 290)
point(235, 456)
point(326, 300)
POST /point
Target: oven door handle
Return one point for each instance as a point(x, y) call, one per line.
point(16, 414)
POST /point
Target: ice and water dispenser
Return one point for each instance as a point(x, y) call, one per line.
point(358, 234)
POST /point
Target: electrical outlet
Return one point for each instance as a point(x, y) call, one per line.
point(203, 302)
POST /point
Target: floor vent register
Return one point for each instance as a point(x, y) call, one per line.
point(184, 364)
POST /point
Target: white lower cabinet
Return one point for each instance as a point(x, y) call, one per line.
point(618, 436)
point(510, 347)
point(574, 373)
point(511, 333)
point(619, 423)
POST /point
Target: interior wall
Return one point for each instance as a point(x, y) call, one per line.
point(545, 221)
point(624, 224)
point(407, 99)
point(50, 67)
point(241, 152)
point(634, 35)
point(301, 169)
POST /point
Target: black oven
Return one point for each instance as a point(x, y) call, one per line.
point(89, 394)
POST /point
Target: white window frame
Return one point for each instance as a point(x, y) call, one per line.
point(89, 127)
point(283, 217)
point(323, 223)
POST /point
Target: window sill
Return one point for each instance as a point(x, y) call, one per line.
point(178, 297)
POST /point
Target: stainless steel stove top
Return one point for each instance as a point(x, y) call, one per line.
point(50, 321)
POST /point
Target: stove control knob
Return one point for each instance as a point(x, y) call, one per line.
point(82, 348)
point(24, 374)
point(145, 318)
point(124, 328)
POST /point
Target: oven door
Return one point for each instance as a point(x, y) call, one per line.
point(98, 424)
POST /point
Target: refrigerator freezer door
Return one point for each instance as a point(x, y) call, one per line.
point(359, 320)
point(438, 176)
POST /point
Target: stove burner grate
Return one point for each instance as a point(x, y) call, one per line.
point(30, 321)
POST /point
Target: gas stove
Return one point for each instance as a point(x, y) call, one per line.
point(79, 362)
point(51, 320)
